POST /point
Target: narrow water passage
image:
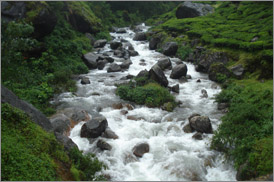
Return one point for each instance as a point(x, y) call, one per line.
point(174, 154)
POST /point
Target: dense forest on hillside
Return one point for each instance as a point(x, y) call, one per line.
point(42, 46)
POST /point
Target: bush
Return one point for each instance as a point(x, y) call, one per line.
point(249, 120)
point(151, 94)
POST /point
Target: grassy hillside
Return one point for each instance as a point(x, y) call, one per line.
point(28, 153)
point(244, 31)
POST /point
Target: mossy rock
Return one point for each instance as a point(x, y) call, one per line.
point(218, 72)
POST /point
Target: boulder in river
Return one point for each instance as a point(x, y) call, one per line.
point(140, 149)
point(114, 68)
point(117, 106)
point(126, 63)
point(175, 88)
point(178, 71)
point(121, 30)
point(140, 36)
point(90, 59)
point(143, 73)
point(190, 10)
point(101, 64)
point(204, 93)
point(85, 80)
point(94, 127)
point(103, 145)
point(115, 44)
point(201, 124)
point(164, 63)
point(108, 133)
point(198, 136)
point(187, 129)
point(100, 43)
point(154, 42)
point(133, 53)
point(156, 74)
point(170, 48)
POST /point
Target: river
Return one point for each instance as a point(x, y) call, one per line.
point(173, 155)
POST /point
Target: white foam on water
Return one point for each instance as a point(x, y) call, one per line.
point(173, 154)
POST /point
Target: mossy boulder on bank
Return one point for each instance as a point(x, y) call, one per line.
point(218, 72)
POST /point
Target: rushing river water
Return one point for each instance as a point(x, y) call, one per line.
point(173, 155)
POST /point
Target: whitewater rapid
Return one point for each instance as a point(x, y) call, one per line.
point(173, 155)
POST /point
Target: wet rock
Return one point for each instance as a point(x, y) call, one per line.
point(182, 79)
point(214, 86)
point(198, 136)
point(115, 45)
point(143, 73)
point(114, 68)
point(193, 115)
point(98, 109)
point(79, 115)
point(103, 145)
point(129, 107)
point(133, 53)
point(123, 112)
point(175, 88)
point(60, 123)
point(121, 30)
point(187, 129)
point(109, 59)
point(140, 36)
point(156, 121)
point(188, 77)
point(140, 149)
point(201, 124)
point(164, 63)
point(190, 10)
point(222, 106)
point(95, 93)
point(117, 106)
point(128, 46)
point(108, 133)
point(178, 71)
point(101, 64)
point(142, 64)
point(142, 60)
point(100, 43)
point(119, 53)
point(128, 158)
point(238, 71)
point(126, 63)
point(198, 81)
point(135, 118)
point(94, 127)
point(218, 69)
point(66, 141)
point(90, 59)
point(154, 42)
point(204, 93)
point(170, 48)
point(85, 80)
point(156, 74)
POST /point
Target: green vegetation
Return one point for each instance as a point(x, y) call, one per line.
point(151, 95)
point(28, 153)
point(247, 128)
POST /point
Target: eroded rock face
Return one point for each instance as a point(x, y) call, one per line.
point(94, 127)
point(191, 10)
point(178, 71)
point(140, 36)
point(201, 124)
point(140, 149)
point(36, 116)
point(156, 74)
point(170, 48)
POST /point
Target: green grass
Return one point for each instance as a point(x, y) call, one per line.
point(151, 95)
point(248, 126)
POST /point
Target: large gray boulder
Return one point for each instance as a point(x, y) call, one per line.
point(201, 124)
point(156, 74)
point(126, 63)
point(164, 63)
point(60, 123)
point(36, 116)
point(140, 36)
point(115, 44)
point(189, 10)
point(140, 149)
point(101, 64)
point(178, 71)
point(153, 42)
point(114, 68)
point(100, 43)
point(90, 59)
point(94, 127)
point(170, 48)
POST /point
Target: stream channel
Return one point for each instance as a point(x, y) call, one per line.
point(173, 154)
